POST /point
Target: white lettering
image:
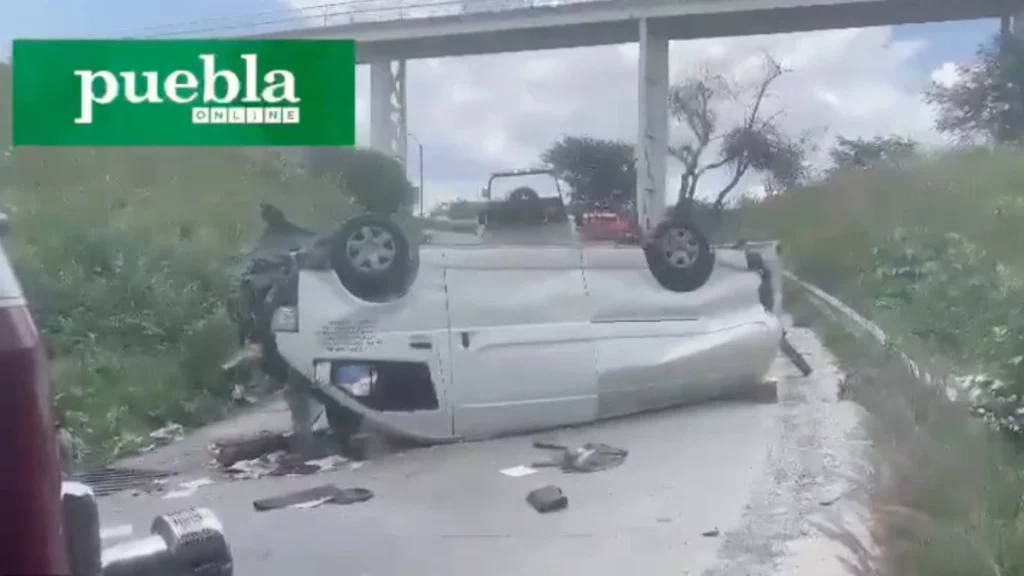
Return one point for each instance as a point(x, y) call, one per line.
point(178, 81)
point(271, 115)
point(87, 92)
point(252, 75)
point(131, 92)
point(281, 87)
point(210, 77)
point(254, 115)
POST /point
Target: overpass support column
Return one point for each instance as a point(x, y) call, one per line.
point(652, 132)
point(1017, 24)
point(388, 131)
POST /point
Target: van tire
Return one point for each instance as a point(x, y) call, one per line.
point(372, 258)
point(679, 256)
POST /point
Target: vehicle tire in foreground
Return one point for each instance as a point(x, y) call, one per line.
point(679, 255)
point(373, 258)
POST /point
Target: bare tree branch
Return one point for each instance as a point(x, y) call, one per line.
point(756, 143)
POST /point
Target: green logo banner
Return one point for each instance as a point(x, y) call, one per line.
point(184, 92)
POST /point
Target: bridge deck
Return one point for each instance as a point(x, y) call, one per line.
point(409, 29)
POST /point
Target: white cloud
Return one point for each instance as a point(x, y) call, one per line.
point(501, 111)
point(947, 75)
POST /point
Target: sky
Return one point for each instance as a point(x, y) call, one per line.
point(476, 115)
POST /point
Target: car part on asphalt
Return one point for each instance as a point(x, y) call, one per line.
point(679, 256)
point(547, 499)
point(372, 258)
point(188, 543)
point(795, 356)
point(327, 493)
point(591, 457)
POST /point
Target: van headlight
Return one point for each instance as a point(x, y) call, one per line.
point(285, 319)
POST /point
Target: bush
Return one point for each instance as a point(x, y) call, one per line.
point(123, 254)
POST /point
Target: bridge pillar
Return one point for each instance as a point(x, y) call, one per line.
point(652, 133)
point(388, 130)
point(1017, 24)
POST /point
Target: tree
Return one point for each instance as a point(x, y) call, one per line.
point(860, 152)
point(756, 145)
point(986, 102)
point(601, 174)
point(376, 181)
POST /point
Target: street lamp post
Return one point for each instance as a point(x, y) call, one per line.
point(419, 145)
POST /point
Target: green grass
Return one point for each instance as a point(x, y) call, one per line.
point(123, 253)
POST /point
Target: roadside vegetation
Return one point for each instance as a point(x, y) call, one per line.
point(125, 255)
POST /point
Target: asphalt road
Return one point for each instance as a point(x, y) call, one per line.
point(758, 475)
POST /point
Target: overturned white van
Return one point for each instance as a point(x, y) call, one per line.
point(520, 327)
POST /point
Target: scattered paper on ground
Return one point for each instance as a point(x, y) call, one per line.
point(188, 488)
point(519, 471)
point(281, 463)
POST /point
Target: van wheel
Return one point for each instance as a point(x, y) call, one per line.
point(679, 256)
point(372, 257)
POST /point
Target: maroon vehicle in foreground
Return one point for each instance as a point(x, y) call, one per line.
point(51, 527)
point(31, 538)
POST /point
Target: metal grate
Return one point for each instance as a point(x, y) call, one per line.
point(106, 481)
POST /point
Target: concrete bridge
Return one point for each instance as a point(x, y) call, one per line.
point(390, 32)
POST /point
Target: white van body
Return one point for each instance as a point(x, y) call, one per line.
point(528, 333)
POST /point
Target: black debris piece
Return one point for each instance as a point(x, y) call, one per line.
point(591, 457)
point(106, 481)
point(547, 499)
point(336, 496)
point(795, 357)
point(713, 533)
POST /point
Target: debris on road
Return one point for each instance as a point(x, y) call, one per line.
point(188, 488)
point(312, 497)
point(282, 463)
point(227, 452)
point(547, 499)
point(713, 533)
point(518, 471)
point(795, 356)
point(173, 432)
point(591, 457)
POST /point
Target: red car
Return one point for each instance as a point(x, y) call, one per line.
point(605, 226)
point(31, 536)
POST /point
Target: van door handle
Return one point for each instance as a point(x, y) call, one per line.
point(420, 342)
point(465, 339)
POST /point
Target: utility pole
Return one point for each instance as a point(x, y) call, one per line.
point(419, 145)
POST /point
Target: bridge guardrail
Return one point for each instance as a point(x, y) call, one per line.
point(345, 13)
